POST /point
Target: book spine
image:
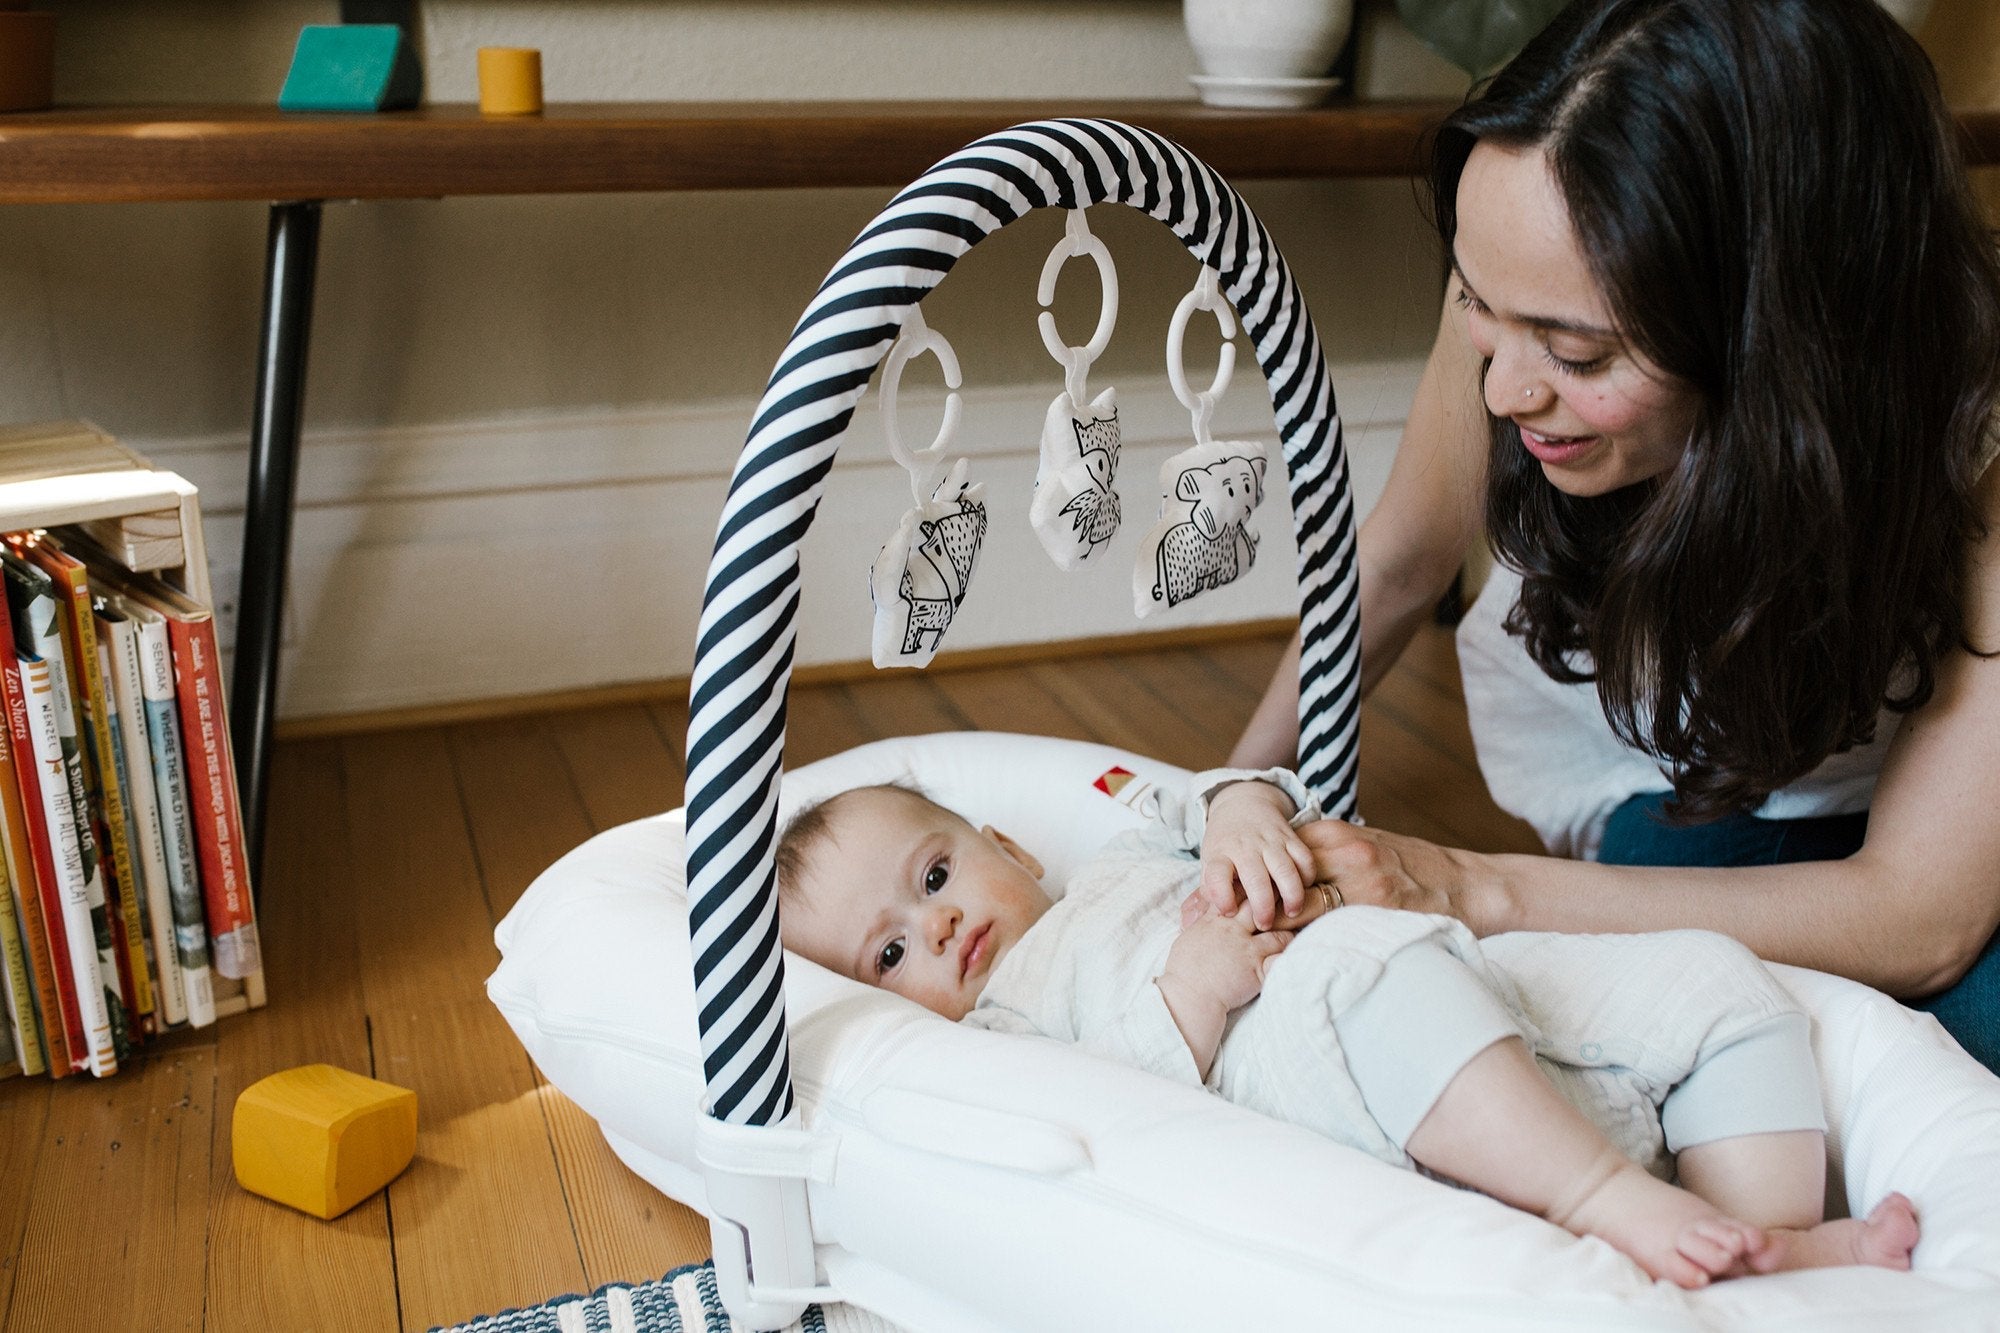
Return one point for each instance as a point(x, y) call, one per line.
point(19, 995)
point(163, 738)
point(135, 757)
point(87, 845)
point(41, 886)
point(41, 1010)
point(106, 799)
point(138, 912)
point(62, 698)
point(218, 821)
point(42, 1015)
point(85, 958)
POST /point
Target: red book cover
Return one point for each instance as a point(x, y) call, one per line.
point(62, 1023)
point(218, 822)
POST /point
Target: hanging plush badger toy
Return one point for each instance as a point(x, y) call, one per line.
point(920, 579)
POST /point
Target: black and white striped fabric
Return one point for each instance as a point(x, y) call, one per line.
point(743, 658)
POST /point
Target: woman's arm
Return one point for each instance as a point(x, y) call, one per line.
point(1908, 913)
point(1414, 540)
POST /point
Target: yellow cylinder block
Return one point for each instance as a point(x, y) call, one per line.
point(510, 81)
point(322, 1139)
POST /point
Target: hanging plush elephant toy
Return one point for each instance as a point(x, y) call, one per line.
point(1202, 539)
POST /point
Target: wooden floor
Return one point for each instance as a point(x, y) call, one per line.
point(390, 857)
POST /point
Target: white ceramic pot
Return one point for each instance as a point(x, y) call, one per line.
point(1267, 39)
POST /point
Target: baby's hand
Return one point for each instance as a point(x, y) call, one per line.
point(1252, 855)
point(1216, 966)
point(1220, 961)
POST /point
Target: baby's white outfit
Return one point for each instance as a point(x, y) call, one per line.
point(1663, 1040)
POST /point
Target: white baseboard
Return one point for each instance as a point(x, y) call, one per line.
point(520, 555)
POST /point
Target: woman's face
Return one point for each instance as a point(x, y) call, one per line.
point(1594, 413)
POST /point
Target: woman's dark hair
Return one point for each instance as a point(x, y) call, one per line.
point(1770, 195)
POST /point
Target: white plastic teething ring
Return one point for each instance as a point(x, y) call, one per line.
point(916, 339)
point(1077, 241)
point(1207, 295)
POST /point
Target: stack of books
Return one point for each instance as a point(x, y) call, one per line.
point(127, 911)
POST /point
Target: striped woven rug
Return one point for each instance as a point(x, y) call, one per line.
point(684, 1301)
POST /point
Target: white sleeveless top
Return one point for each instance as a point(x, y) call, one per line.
point(1549, 755)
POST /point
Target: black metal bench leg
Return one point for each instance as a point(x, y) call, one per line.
point(291, 258)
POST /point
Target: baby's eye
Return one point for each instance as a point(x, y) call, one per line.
point(892, 954)
point(935, 877)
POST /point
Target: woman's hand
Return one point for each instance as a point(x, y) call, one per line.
point(1374, 868)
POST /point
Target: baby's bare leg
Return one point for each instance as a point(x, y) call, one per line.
point(1778, 1181)
point(1771, 1180)
point(1501, 1127)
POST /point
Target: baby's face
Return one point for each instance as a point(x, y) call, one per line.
point(905, 895)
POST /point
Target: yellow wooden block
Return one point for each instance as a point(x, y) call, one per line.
point(322, 1139)
point(510, 81)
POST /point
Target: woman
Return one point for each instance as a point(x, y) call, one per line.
point(1715, 372)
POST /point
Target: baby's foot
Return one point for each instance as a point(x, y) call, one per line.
point(1883, 1240)
point(1669, 1232)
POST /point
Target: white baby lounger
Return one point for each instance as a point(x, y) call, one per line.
point(966, 1180)
point(849, 1145)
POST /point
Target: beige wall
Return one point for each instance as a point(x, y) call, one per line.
point(143, 317)
point(456, 319)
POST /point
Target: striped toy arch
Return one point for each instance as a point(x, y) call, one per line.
point(743, 653)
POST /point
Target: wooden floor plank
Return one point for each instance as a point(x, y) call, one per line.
point(1119, 712)
point(1435, 718)
point(627, 1230)
point(339, 1274)
point(479, 1220)
point(24, 1115)
point(904, 703)
point(1393, 795)
point(421, 916)
point(1195, 689)
point(670, 719)
point(1445, 791)
point(524, 812)
point(822, 720)
point(1003, 699)
point(118, 1219)
point(1432, 657)
point(521, 807)
point(619, 763)
point(1249, 662)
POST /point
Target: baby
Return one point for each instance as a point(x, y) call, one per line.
point(1554, 1073)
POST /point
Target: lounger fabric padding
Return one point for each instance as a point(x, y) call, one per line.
point(979, 1181)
